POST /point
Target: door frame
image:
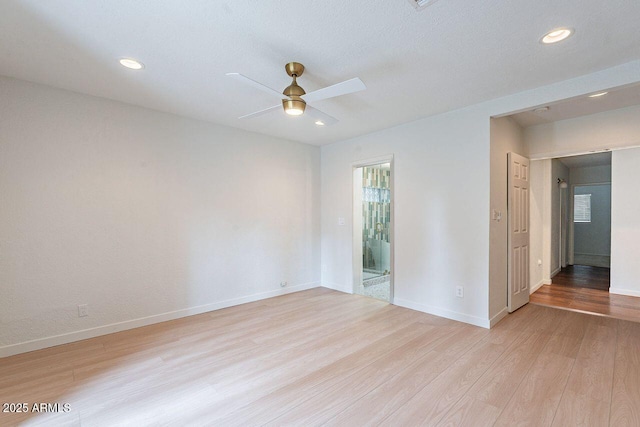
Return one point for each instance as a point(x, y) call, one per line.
point(356, 212)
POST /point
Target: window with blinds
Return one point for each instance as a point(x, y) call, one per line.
point(582, 208)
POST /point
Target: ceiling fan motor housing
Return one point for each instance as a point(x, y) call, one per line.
point(295, 105)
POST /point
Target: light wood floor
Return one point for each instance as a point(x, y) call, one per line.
point(321, 357)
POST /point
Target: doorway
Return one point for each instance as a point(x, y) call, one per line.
point(582, 282)
point(588, 240)
point(590, 237)
point(372, 237)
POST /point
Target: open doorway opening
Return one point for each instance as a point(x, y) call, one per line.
point(588, 241)
point(568, 266)
point(372, 210)
point(582, 242)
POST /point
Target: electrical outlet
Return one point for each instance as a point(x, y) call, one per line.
point(283, 284)
point(83, 310)
point(459, 291)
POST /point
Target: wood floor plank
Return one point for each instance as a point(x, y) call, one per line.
point(471, 412)
point(320, 366)
point(388, 397)
point(317, 410)
point(497, 384)
point(625, 396)
point(317, 382)
point(321, 357)
point(587, 396)
point(567, 334)
point(578, 409)
point(583, 276)
point(429, 405)
point(592, 373)
point(535, 401)
point(372, 408)
point(590, 301)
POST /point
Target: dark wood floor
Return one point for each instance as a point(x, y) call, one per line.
point(591, 301)
point(583, 276)
point(585, 289)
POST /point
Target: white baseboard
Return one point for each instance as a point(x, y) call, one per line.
point(627, 292)
point(336, 287)
point(441, 312)
point(556, 271)
point(498, 317)
point(538, 286)
point(23, 347)
point(546, 281)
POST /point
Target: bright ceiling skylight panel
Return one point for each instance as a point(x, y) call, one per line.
point(421, 4)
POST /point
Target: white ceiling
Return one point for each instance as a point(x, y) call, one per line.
point(414, 63)
point(587, 160)
point(581, 106)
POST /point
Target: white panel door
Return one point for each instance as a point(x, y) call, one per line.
point(518, 241)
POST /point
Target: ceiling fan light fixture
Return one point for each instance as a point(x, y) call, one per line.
point(294, 107)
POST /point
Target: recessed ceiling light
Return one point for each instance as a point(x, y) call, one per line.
point(541, 110)
point(421, 4)
point(598, 95)
point(319, 122)
point(556, 35)
point(131, 63)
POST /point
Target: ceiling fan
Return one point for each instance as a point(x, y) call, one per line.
point(295, 100)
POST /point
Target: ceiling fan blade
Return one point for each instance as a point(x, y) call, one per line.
point(261, 112)
point(318, 115)
point(250, 82)
point(348, 86)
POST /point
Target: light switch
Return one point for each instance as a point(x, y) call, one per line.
point(340, 221)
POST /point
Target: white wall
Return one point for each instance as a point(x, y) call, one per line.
point(559, 198)
point(146, 216)
point(625, 222)
point(506, 136)
point(595, 132)
point(142, 215)
point(590, 175)
point(540, 224)
point(442, 193)
point(546, 220)
point(441, 199)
